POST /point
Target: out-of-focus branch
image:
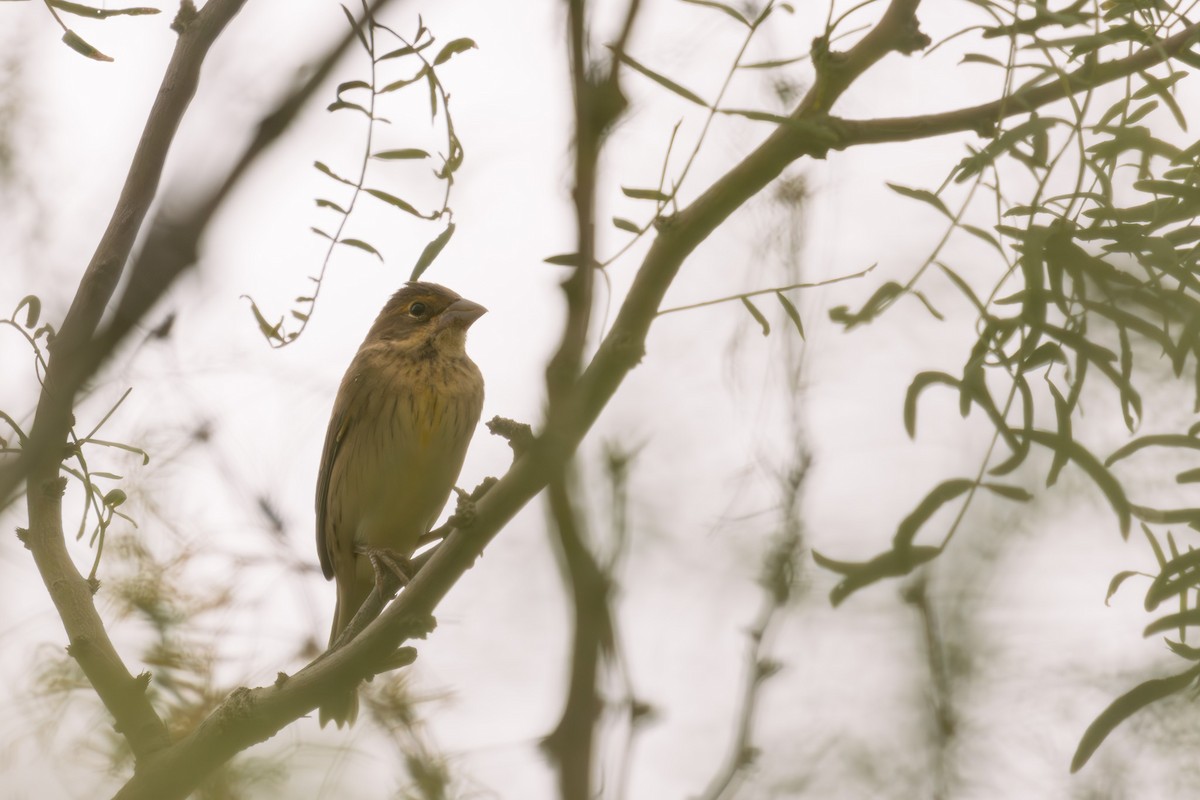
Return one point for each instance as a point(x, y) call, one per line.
point(598, 103)
point(941, 689)
point(69, 364)
point(572, 743)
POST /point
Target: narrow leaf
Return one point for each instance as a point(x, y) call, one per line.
point(1116, 582)
point(924, 195)
point(662, 80)
point(452, 49)
point(792, 313)
point(646, 194)
point(431, 252)
point(74, 41)
point(361, 245)
point(394, 201)
point(34, 304)
point(1126, 706)
point(398, 155)
point(626, 225)
point(943, 493)
point(758, 317)
point(100, 13)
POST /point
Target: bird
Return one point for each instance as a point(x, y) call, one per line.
point(402, 419)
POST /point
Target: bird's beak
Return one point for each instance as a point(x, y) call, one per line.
point(462, 313)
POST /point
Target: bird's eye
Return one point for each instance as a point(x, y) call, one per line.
point(417, 309)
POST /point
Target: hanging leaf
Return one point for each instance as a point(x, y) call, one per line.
point(792, 313)
point(394, 201)
point(1126, 706)
point(662, 80)
point(941, 494)
point(361, 245)
point(452, 49)
point(758, 317)
point(74, 41)
point(431, 252)
point(34, 304)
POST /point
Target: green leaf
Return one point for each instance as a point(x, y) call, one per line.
point(338, 105)
point(271, 332)
point(569, 260)
point(1091, 465)
point(662, 80)
point(320, 166)
point(74, 41)
point(1062, 412)
point(626, 225)
point(452, 49)
point(401, 155)
point(921, 382)
point(1008, 492)
point(323, 203)
point(924, 195)
point(400, 84)
point(758, 317)
point(646, 194)
point(34, 304)
point(876, 304)
point(115, 498)
point(361, 245)
point(1153, 440)
point(893, 563)
point(348, 85)
point(792, 313)
point(431, 252)
point(1126, 706)
point(357, 28)
point(100, 13)
point(1116, 582)
point(943, 493)
point(392, 200)
point(1162, 88)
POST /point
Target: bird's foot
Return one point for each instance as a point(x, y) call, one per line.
point(384, 560)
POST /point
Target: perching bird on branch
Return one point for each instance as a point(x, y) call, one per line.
point(403, 417)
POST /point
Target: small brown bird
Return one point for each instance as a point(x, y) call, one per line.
point(403, 417)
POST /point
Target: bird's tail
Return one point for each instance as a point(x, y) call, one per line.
point(341, 708)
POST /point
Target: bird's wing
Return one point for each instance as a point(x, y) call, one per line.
point(338, 427)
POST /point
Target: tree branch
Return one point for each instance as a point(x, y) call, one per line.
point(79, 350)
point(121, 693)
point(252, 715)
point(983, 119)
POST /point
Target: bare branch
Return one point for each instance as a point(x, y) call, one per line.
point(844, 133)
point(122, 694)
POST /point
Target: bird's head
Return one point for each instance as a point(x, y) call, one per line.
point(427, 317)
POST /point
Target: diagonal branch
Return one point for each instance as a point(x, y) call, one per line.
point(253, 715)
point(122, 694)
point(80, 349)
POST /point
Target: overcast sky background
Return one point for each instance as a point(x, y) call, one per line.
point(1022, 589)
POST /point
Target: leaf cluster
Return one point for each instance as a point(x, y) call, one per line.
point(418, 60)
